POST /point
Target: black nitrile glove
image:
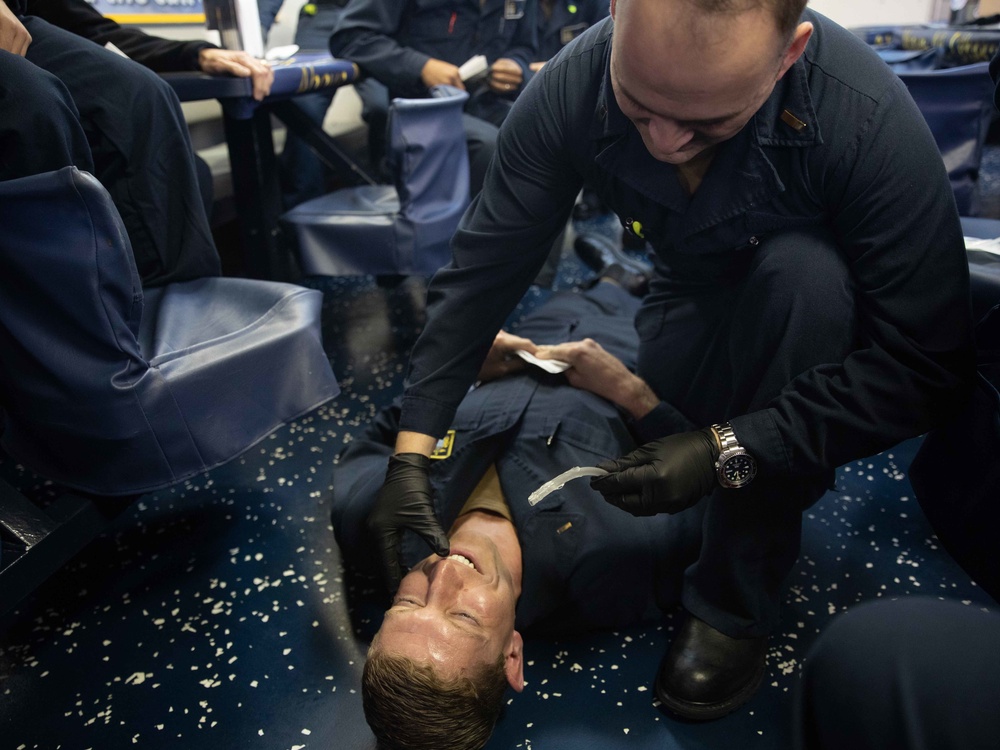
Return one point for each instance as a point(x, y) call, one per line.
point(405, 502)
point(665, 476)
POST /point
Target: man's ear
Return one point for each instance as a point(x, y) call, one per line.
point(514, 661)
point(613, 3)
point(799, 41)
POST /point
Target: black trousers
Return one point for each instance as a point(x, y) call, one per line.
point(910, 674)
point(71, 102)
point(720, 336)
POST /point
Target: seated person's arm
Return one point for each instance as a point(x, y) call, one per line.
point(14, 37)
point(509, 72)
point(240, 64)
point(156, 53)
point(365, 34)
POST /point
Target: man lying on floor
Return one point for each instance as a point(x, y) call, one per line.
point(450, 643)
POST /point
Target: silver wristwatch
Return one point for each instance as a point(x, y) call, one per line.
point(734, 466)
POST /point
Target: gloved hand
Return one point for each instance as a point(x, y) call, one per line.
point(665, 476)
point(405, 502)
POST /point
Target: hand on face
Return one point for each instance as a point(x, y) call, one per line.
point(406, 501)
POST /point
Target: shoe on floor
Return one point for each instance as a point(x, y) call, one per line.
point(636, 284)
point(705, 674)
point(598, 252)
point(589, 206)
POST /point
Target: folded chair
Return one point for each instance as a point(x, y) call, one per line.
point(113, 391)
point(400, 229)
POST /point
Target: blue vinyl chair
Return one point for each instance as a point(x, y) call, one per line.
point(401, 229)
point(112, 391)
point(958, 106)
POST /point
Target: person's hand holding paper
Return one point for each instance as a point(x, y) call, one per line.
point(593, 368)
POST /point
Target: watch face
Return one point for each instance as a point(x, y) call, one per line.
point(739, 470)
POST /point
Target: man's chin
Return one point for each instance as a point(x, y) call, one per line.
point(678, 157)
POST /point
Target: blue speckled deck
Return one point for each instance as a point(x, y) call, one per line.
point(216, 614)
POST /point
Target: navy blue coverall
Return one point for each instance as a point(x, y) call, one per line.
point(569, 19)
point(813, 292)
point(69, 101)
point(587, 565)
point(908, 674)
point(392, 40)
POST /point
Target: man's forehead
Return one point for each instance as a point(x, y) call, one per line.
point(447, 656)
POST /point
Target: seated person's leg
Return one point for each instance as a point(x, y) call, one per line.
point(375, 113)
point(40, 129)
point(481, 140)
point(905, 674)
point(486, 105)
point(142, 152)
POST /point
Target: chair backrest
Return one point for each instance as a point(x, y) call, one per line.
point(427, 154)
point(70, 305)
point(958, 106)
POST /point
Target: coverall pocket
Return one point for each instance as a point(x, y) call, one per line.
point(649, 321)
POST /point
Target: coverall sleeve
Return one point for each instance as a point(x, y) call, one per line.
point(501, 244)
point(365, 35)
point(158, 54)
point(893, 213)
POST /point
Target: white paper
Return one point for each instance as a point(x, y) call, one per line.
point(112, 48)
point(549, 365)
point(473, 67)
point(276, 54)
point(987, 246)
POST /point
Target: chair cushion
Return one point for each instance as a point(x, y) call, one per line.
point(237, 357)
point(105, 396)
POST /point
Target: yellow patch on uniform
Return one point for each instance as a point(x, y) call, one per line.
point(444, 446)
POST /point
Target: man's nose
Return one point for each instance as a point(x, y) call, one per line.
point(668, 136)
point(444, 576)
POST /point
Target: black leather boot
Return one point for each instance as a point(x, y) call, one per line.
point(706, 674)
